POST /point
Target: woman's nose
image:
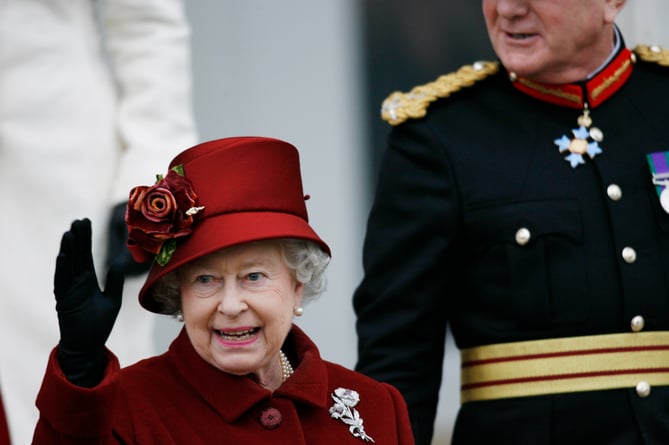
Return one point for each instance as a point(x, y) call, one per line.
point(231, 301)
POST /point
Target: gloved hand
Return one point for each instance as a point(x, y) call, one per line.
point(86, 315)
point(116, 243)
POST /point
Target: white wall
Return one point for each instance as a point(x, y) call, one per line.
point(645, 22)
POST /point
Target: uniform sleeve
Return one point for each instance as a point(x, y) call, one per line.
point(402, 302)
point(148, 44)
point(74, 415)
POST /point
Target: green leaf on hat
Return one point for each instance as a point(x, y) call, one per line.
point(179, 169)
point(166, 251)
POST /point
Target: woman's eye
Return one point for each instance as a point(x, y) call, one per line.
point(254, 276)
point(204, 279)
point(204, 285)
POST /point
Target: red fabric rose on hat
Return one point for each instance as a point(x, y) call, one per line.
point(157, 215)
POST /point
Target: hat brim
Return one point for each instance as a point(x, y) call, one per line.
point(219, 232)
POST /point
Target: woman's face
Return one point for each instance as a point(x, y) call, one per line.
point(238, 305)
point(552, 41)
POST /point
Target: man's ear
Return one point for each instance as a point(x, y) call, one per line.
point(612, 9)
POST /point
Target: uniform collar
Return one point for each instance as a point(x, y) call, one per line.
point(591, 93)
point(232, 396)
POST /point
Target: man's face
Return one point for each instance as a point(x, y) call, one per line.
point(551, 41)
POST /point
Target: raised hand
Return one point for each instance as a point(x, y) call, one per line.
point(86, 314)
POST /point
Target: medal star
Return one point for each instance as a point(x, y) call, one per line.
point(562, 143)
point(593, 149)
point(581, 143)
point(574, 159)
point(580, 132)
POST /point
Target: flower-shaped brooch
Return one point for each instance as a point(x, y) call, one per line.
point(344, 410)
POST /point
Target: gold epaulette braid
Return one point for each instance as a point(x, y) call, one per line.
point(398, 107)
point(652, 53)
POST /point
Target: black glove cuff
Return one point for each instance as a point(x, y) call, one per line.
point(85, 369)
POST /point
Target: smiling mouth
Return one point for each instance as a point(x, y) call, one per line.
point(237, 335)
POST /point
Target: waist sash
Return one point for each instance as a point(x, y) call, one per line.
point(564, 365)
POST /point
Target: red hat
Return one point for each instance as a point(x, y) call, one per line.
point(217, 194)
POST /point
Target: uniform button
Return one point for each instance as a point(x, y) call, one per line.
point(614, 192)
point(643, 389)
point(637, 324)
point(629, 255)
point(523, 236)
point(270, 418)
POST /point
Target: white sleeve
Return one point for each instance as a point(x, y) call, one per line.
point(148, 45)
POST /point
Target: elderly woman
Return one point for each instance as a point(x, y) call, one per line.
point(234, 258)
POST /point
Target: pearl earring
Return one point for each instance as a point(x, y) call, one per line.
point(179, 316)
point(298, 311)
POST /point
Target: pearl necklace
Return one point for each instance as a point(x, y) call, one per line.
point(286, 368)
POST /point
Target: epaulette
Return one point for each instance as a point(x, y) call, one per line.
point(398, 107)
point(652, 53)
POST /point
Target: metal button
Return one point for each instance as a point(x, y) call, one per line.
point(629, 255)
point(637, 324)
point(614, 192)
point(643, 389)
point(523, 236)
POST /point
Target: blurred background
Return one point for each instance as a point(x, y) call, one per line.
point(314, 73)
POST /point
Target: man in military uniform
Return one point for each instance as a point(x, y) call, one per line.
point(525, 203)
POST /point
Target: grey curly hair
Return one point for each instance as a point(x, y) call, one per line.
point(303, 257)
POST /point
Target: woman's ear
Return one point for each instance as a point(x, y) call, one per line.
point(299, 293)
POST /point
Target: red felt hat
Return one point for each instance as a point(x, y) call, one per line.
point(217, 194)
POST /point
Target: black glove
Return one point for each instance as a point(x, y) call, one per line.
point(116, 244)
point(86, 314)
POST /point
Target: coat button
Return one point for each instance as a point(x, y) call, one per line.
point(523, 236)
point(643, 389)
point(614, 192)
point(629, 255)
point(638, 323)
point(270, 418)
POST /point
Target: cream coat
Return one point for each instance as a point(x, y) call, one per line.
point(78, 128)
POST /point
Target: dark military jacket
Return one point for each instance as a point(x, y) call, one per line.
point(480, 221)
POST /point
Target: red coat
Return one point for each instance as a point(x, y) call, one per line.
point(4, 430)
point(177, 398)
